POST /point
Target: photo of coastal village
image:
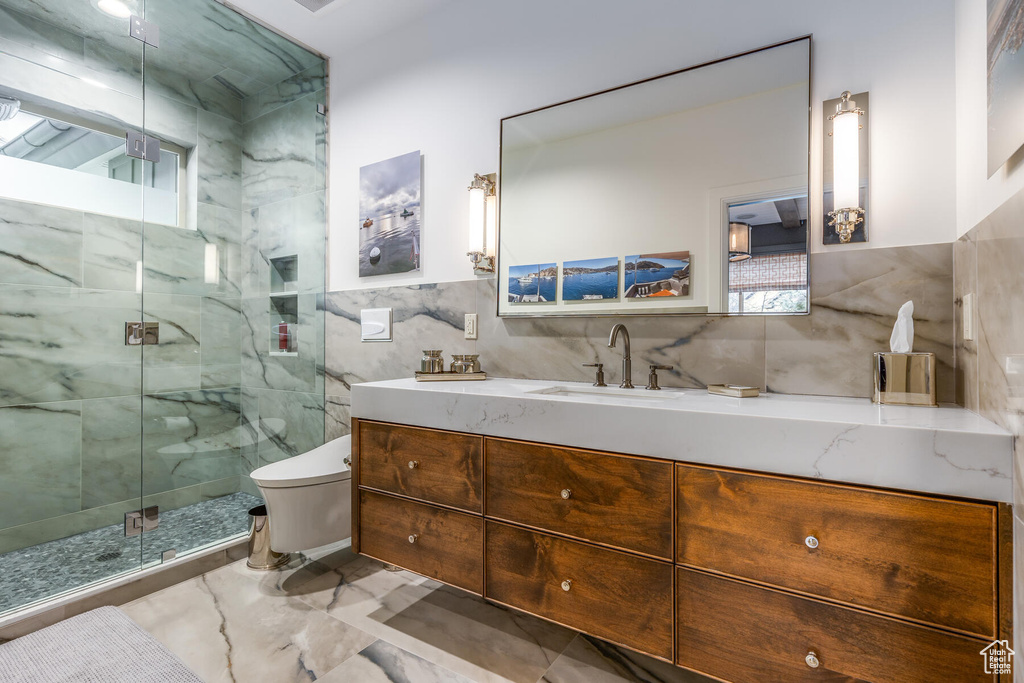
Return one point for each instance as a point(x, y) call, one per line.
point(590, 279)
point(657, 275)
point(532, 284)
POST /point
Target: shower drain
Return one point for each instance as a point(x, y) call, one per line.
point(106, 557)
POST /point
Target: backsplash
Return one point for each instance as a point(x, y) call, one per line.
point(855, 296)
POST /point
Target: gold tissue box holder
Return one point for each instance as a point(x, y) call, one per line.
point(905, 379)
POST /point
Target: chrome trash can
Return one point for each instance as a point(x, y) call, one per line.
point(260, 554)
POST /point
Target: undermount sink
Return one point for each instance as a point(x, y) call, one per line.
point(608, 392)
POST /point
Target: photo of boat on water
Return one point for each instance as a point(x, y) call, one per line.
point(389, 216)
point(532, 284)
point(590, 279)
point(657, 275)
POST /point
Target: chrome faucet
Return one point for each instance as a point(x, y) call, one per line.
point(627, 363)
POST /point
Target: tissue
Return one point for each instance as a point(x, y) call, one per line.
point(902, 339)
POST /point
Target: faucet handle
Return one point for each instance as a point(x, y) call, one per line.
point(652, 379)
point(599, 379)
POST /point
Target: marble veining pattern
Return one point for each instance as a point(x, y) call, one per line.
point(236, 633)
point(988, 260)
point(40, 461)
point(279, 155)
point(828, 352)
point(60, 344)
point(945, 450)
point(40, 245)
point(422, 314)
point(165, 419)
point(387, 627)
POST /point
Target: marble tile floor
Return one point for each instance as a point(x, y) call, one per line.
point(335, 617)
point(51, 568)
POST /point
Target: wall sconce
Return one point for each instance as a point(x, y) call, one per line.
point(845, 169)
point(739, 241)
point(483, 220)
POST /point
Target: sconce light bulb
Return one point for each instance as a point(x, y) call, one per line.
point(846, 160)
point(477, 218)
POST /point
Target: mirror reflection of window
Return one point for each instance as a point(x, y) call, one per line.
point(768, 255)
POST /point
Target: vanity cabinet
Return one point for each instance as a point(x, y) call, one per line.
point(619, 501)
point(929, 560)
point(747, 577)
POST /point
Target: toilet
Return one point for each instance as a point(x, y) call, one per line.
point(309, 497)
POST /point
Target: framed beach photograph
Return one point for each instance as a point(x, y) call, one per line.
point(532, 284)
point(657, 275)
point(590, 279)
point(1005, 81)
point(389, 216)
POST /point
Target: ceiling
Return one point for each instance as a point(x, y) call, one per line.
point(340, 26)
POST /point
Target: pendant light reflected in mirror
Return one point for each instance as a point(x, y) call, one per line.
point(739, 241)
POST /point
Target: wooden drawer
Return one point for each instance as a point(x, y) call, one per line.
point(617, 500)
point(926, 559)
point(746, 634)
point(438, 467)
point(446, 545)
point(612, 595)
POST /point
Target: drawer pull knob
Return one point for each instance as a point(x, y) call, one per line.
point(811, 542)
point(413, 464)
point(812, 660)
point(566, 585)
point(566, 495)
point(412, 538)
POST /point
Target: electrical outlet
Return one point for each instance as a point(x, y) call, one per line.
point(471, 332)
point(968, 322)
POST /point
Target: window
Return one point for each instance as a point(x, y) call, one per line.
point(46, 159)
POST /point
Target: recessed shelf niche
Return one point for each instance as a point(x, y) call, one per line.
point(284, 306)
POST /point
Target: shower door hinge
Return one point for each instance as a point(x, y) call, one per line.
point(321, 109)
point(147, 32)
point(137, 521)
point(142, 146)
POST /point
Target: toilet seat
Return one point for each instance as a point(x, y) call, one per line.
point(321, 465)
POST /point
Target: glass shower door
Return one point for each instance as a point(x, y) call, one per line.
point(233, 254)
point(70, 282)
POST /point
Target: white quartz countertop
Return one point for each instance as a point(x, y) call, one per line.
point(946, 450)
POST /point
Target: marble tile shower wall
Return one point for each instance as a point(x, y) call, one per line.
point(70, 406)
point(990, 367)
point(855, 296)
point(284, 178)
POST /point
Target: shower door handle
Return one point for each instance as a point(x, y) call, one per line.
point(138, 333)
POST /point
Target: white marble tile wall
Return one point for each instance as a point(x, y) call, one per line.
point(988, 262)
point(855, 296)
point(284, 215)
point(68, 279)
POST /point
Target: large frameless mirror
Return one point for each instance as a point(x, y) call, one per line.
point(680, 194)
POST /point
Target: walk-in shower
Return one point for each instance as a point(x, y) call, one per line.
point(154, 186)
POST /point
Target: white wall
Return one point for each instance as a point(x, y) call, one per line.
point(442, 82)
point(977, 195)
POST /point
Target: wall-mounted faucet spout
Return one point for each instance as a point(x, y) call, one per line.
point(627, 363)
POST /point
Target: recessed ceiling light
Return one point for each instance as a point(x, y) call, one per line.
point(114, 8)
point(746, 216)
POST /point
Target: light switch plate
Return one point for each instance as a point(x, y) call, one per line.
point(375, 324)
point(968, 322)
point(471, 331)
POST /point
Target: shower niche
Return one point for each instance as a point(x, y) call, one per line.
point(284, 305)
